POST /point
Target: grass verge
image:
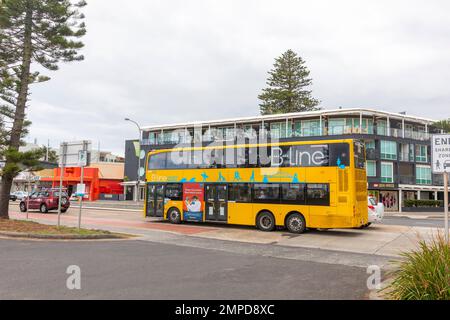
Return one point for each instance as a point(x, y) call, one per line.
point(31, 227)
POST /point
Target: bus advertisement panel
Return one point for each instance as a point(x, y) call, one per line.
point(193, 201)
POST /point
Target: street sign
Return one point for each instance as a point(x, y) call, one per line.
point(74, 154)
point(81, 189)
point(440, 153)
point(82, 158)
point(70, 153)
point(440, 157)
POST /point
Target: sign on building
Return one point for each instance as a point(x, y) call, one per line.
point(440, 153)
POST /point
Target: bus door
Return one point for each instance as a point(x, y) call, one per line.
point(155, 200)
point(216, 202)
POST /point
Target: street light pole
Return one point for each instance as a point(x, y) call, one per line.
point(139, 158)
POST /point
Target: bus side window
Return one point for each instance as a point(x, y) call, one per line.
point(240, 192)
point(157, 161)
point(318, 194)
point(293, 193)
point(174, 191)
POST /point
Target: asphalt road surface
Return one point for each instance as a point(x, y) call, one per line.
point(405, 221)
point(135, 269)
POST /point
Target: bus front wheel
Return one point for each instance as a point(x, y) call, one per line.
point(296, 223)
point(174, 216)
point(265, 221)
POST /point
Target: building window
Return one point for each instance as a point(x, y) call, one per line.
point(310, 128)
point(387, 172)
point(278, 130)
point(421, 153)
point(382, 127)
point(404, 152)
point(411, 152)
point(367, 126)
point(336, 126)
point(370, 144)
point(351, 126)
point(297, 128)
point(371, 168)
point(388, 150)
point(423, 174)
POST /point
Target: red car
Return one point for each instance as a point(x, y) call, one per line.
point(44, 201)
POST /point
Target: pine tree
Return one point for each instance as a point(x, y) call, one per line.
point(287, 87)
point(32, 32)
point(49, 155)
point(443, 125)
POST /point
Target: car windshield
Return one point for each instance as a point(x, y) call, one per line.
point(56, 194)
point(372, 201)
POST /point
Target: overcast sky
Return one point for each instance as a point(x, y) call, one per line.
point(175, 61)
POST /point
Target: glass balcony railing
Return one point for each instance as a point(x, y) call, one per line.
point(220, 135)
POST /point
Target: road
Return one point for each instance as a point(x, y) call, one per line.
point(413, 222)
point(202, 261)
point(134, 269)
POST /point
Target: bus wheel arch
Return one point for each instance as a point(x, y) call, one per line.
point(174, 215)
point(295, 222)
point(265, 220)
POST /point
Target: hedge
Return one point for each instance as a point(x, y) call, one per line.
point(424, 203)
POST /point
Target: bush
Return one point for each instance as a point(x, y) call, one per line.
point(423, 274)
point(424, 203)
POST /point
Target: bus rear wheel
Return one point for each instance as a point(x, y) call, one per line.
point(265, 221)
point(296, 223)
point(174, 216)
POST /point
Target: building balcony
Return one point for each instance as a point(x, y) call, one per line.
point(281, 131)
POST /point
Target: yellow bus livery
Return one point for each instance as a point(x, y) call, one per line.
point(297, 185)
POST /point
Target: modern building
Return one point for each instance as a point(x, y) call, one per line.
point(130, 181)
point(397, 144)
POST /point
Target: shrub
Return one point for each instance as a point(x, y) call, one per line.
point(424, 203)
point(424, 273)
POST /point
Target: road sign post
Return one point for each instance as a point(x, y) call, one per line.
point(82, 162)
point(440, 158)
point(63, 157)
point(73, 154)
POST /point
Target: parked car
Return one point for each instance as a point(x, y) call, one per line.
point(375, 211)
point(74, 197)
point(45, 201)
point(20, 194)
point(12, 197)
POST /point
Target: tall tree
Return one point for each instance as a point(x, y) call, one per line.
point(443, 125)
point(32, 32)
point(49, 154)
point(287, 89)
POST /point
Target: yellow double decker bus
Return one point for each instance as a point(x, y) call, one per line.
point(297, 185)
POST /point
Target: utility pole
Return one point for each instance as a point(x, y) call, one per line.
point(139, 159)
